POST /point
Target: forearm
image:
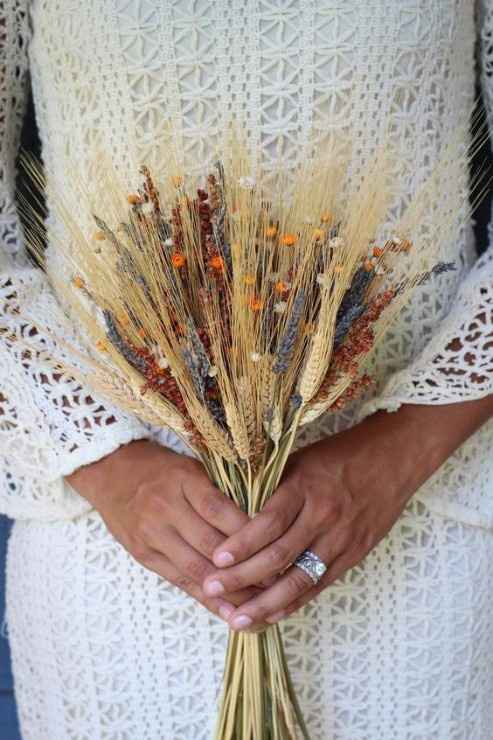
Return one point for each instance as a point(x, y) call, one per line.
point(418, 438)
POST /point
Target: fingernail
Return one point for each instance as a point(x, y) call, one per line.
point(275, 617)
point(225, 611)
point(214, 588)
point(223, 558)
point(241, 623)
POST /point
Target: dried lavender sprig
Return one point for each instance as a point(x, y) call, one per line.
point(194, 370)
point(285, 351)
point(219, 219)
point(120, 344)
point(296, 400)
point(438, 269)
point(203, 362)
point(109, 234)
point(344, 323)
point(127, 265)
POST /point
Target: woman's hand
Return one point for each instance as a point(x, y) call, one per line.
point(164, 510)
point(338, 498)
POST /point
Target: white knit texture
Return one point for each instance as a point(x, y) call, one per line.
point(102, 649)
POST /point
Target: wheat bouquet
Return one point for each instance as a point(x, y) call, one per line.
point(234, 316)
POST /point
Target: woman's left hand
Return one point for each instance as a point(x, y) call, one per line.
point(338, 498)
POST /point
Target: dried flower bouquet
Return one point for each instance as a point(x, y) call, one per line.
point(234, 314)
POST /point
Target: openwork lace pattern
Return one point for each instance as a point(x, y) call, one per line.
point(415, 615)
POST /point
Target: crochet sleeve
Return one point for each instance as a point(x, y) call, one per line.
point(457, 363)
point(49, 424)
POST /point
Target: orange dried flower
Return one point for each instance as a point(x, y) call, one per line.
point(325, 217)
point(368, 265)
point(281, 287)
point(377, 251)
point(289, 239)
point(178, 259)
point(141, 333)
point(78, 282)
point(318, 234)
point(249, 280)
point(271, 232)
point(101, 345)
point(216, 262)
point(134, 199)
point(256, 304)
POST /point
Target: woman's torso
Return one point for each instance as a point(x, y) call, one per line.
point(111, 74)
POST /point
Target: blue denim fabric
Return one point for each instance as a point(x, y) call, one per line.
point(9, 728)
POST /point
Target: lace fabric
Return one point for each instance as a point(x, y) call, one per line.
point(125, 68)
point(105, 650)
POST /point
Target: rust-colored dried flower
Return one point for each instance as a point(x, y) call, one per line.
point(281, 287)
point(217, 263)
point(178, 259)
point(289, 239)
point(256, 304)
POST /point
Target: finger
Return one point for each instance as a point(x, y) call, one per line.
point(158, 563)
point(187, 560)
point(338, 568)
point(266, 527)
point(270, 561)
point(202, 536)
point(291, 586)
point(215, 507)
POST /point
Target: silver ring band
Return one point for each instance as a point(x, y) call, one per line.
point(311, 565)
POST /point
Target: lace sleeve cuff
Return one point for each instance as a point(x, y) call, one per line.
point(457, 365)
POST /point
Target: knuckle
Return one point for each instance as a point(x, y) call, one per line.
point(278, 555)
point(209, 541)
point(149, 496)
point(197, 569)
point(143, 527)
point(211, 506)
point(272, 521)
point(297, 582)
point(183, 582)
point(141, 553)
point(331, 510)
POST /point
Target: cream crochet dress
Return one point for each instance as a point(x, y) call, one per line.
point(402, 647)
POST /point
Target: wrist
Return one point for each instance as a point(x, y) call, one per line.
point(102, 477)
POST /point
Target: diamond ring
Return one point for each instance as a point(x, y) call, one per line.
point(311, 565)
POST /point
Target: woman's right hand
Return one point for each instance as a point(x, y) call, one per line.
point(164, 510)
